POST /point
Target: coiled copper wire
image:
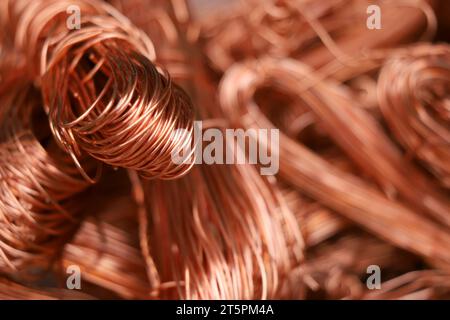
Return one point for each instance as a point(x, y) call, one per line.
point(39, 184)
point(102, 92)
point(413, 91)
point(225, 231)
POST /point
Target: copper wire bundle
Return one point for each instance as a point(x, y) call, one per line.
point(222, 246)
point(364, 150)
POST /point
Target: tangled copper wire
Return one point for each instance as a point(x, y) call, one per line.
point(89, 121)
point(318, 178)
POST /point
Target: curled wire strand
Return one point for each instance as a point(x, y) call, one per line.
point(413, 95)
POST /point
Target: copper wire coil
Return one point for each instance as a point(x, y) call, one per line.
point(103, 128)
point(413, 93)
point(39, 184)
point(111, 91)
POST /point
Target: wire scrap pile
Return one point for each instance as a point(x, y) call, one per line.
point(91, 116)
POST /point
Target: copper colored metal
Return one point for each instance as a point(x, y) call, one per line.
point(230, 237)
point(364, 149)
point(39, 184)
point(10, 290)
point(316, 32)
point(415, 285)
point(348, 126)
point(413, 91)
point(103, 94)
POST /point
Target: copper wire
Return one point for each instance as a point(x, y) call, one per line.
point(316, 177)
point(113, 103)
point(315, 32)
point(415, 285)
point(38, 208)
point(337, 266)
point(108, 255)
point(363, 152)
point(230, 238)
point(413, 90)
point(161, 27)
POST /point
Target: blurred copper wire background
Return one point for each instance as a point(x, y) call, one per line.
point(87, 118)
